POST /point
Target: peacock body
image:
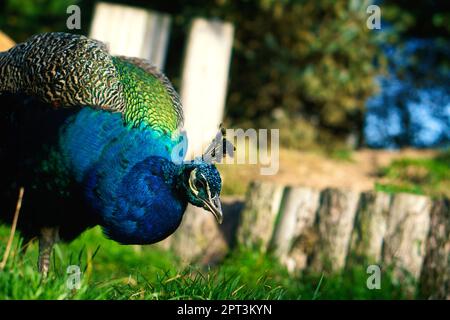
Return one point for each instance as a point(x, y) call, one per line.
point(95, 140)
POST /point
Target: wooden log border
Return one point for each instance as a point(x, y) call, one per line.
point(329, 230)
point(334, 229)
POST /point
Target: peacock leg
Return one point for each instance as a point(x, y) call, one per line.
point(47, 238)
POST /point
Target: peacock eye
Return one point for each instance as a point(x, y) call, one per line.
point(199, 184)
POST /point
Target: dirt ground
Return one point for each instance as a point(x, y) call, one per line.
point(317, 170)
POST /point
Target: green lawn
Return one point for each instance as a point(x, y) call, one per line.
point(112, 271)
point(430, 176)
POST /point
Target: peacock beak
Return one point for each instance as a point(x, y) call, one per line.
point(214, 205)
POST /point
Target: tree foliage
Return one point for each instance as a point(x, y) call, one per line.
point(22, 18)
point(298, 63)
point(413, 107)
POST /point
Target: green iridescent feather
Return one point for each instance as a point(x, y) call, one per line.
point(148, 102)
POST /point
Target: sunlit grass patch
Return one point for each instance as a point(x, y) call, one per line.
point(113, 271)
point(430, 176)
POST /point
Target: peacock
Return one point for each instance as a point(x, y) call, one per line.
point(96, 139)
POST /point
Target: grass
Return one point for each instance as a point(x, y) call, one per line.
point(430, 176)
point(112, 271)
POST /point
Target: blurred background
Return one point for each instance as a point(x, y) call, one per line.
point(357, 108)
point(313, 66)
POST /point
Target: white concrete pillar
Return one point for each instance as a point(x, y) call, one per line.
point(132, 32)
point(204, 80)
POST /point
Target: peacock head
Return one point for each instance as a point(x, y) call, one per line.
point(203, 185)
point(202, 180)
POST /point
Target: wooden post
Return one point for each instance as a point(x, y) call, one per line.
point(6, 42)
point(259, 215)
point(132, 31)
point(370, 228)
point(406, 234)
point(435, 277)
point(298, 211)
point(334, 226)
point(200, 239)
point(204, 81)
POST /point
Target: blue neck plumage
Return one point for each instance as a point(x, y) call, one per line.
point(128, 176)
